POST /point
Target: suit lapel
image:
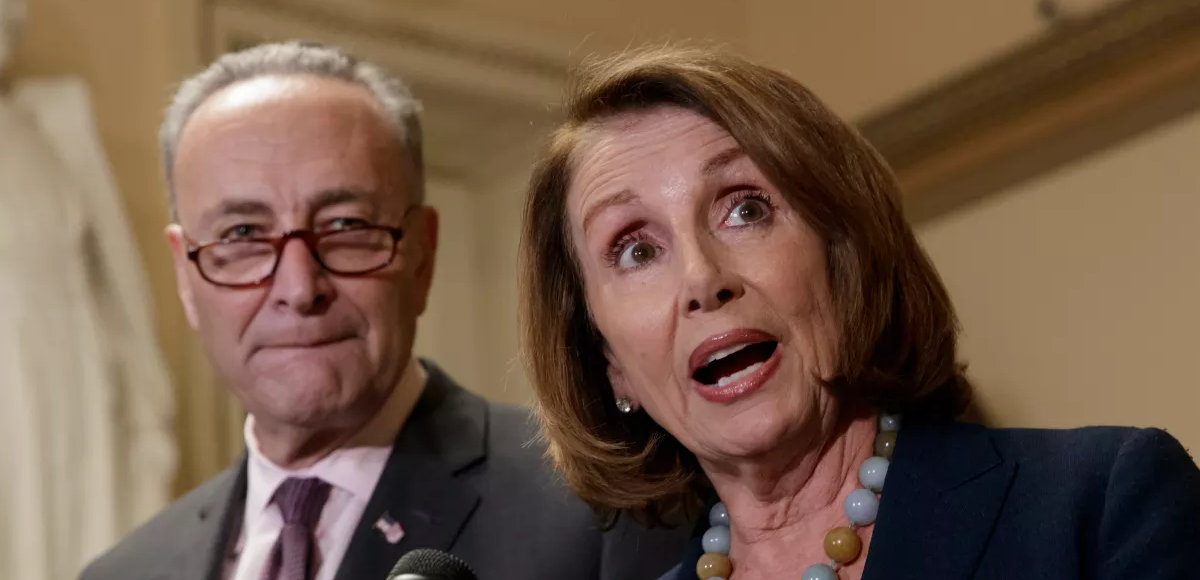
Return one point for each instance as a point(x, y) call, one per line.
point(944, 492)
point(217, 517)
point(420, 489)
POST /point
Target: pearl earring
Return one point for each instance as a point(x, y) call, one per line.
point(624, 405)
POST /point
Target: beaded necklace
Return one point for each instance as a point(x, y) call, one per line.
point(842, 544)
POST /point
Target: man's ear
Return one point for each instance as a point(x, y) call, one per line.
point(183, 282)
point(426, 233)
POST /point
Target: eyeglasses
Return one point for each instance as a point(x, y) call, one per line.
point(250, 262)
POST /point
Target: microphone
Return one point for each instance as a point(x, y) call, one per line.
point(428, 564)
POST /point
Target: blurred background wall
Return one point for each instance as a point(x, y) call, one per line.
point(1076, 283)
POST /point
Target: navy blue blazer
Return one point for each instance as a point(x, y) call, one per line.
point(964, 501)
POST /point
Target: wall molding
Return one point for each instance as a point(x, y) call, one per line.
point(1082, 87)
point(487, 91)
point(450, 51)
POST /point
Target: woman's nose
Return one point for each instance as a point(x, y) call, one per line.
point(722, 296)
point(710, 284)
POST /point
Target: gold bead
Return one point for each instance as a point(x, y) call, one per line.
point(713, 565)
point(842, 545)
point(885, 444)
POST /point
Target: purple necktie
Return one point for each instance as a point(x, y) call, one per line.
point(300, 501)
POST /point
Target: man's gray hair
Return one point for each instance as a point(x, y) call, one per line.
point(294, 58)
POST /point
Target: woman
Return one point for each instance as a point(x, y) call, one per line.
point(723, 300)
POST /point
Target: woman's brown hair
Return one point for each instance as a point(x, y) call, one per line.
point(896, 345)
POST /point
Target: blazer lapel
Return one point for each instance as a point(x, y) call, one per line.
point(217, 516)
point(944, 492)
point(419, 489)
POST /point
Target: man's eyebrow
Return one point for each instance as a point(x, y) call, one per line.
point(236, 206)
point(338, 195)
point(256, 208)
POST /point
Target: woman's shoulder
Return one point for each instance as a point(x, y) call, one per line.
point(1095, 466)
point(1099, 443)
point(1076, 446)
point(1120, 498)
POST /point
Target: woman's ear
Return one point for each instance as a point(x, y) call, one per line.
point(620, 385)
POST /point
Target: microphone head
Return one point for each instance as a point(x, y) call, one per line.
point(428, 564)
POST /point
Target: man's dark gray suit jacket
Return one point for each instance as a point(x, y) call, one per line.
point(463, 477)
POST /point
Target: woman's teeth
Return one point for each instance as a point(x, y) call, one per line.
point(725, 381)
point(720, 354)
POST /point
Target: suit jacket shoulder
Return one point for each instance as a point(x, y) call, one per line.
point(469, 477)
point(465, 476)
point(179, 542)
point(1131, 495)
point(964, 501)
point(1095, 502)
point(559, 535)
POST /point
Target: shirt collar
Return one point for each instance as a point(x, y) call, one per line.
point(355, 468)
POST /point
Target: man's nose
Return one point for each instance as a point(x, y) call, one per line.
point(300, 283)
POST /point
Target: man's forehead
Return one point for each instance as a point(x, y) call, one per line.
point(270, 91)
point(282, 140)
point(282, 109)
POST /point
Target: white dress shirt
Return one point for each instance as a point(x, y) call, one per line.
point(352, 473)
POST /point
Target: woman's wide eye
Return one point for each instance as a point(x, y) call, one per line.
point(636, 255)
point(747, 212)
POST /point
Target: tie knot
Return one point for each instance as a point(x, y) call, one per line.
point(301, 500)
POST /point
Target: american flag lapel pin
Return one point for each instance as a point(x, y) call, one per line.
point(390, 528)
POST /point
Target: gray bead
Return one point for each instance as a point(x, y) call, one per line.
point(861, 507)
point(872, 473)
point(889, 422)
point(718, 515)
point(819, 572)
point(716, 540)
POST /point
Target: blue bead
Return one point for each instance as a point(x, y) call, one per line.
point(718, 515)
point(819, 572)
point(861, 507)
point(872, 473)
point(889, 422)
point(716, 539)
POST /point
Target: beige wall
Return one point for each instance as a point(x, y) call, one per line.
point(856, 55)
point(1075, 290)
point(470, 328)
point(1078, 284)
point(448, 331)
point(131, 53)
point(1080, 292)
point(501, 371)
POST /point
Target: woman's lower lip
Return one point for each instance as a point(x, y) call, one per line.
point(745, 385)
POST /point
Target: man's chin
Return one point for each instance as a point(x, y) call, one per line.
point(302, 412)
point(305, 396)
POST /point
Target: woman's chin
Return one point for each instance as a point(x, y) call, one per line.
point(747, 435)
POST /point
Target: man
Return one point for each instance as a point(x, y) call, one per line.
point(304, 256)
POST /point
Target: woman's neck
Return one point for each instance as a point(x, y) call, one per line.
point(780, 508)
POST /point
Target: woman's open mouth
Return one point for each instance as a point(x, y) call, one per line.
point(730, 365)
